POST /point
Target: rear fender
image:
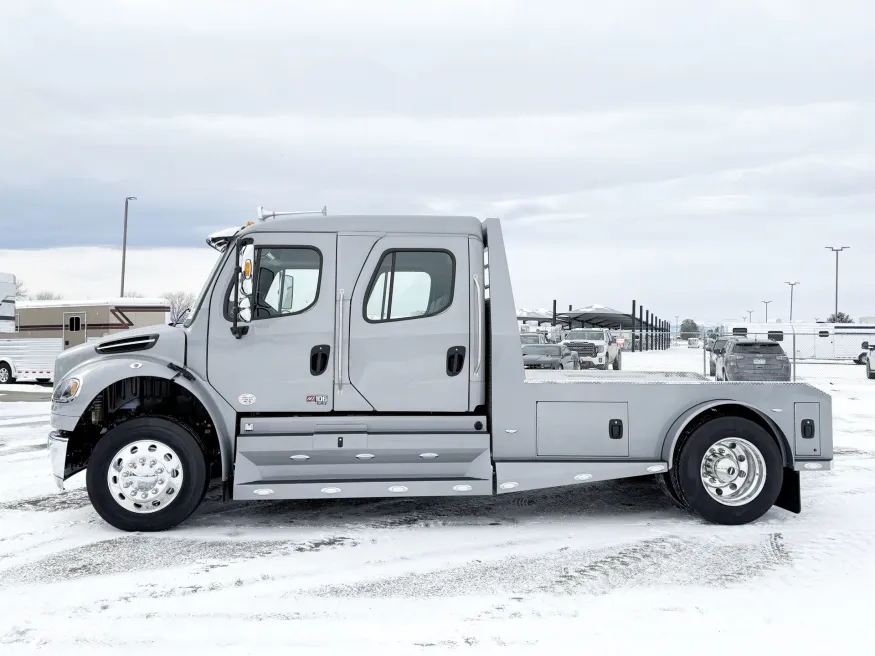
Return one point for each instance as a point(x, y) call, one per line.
point(681, 423)
point(97, 376)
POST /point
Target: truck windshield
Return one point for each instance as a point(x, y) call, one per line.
point(594, 335)
point(540, 349)
point(195, 308)
point(530, 339)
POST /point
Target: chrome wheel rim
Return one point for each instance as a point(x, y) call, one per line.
point(145, 476)
point(733, 471)
point(4, 375)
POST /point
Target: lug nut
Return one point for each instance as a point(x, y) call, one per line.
point(152, 463)
point(127, 484)
point(160, 481)
point(142, 461)
point(160, 470)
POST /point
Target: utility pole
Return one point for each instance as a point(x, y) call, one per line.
point(767, 310)
point(792, 285)
point(125, 243)
point(837, 250)
point(750, 316)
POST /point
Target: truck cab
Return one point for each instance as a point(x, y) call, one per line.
point(379, 356)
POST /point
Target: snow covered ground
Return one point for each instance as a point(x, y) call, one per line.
point(611, 566)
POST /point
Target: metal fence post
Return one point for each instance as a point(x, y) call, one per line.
point(633, 326)
point(705, 371)
point(794, 352)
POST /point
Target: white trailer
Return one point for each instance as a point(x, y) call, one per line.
point(813, 341)
point(42, 330)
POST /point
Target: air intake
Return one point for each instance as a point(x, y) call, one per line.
point(127, 345)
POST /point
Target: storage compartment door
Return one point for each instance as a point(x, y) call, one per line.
point(583, 430)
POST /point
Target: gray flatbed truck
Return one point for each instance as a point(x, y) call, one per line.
point(379, 356)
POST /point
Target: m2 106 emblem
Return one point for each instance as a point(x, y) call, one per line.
point(246, 399)
point(318, 399)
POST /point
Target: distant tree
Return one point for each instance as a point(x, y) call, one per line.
point(841, 317)
point(712, 334)
point(179, 302)
point(132, 295)
point(46, 296)
point(689, 328)
point(20, 289)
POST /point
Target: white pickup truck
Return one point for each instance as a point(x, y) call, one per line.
point(597, 348)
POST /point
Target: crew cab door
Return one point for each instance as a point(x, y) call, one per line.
point(284, 361)
point(409, 325)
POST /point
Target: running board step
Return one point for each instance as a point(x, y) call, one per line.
point(360, 489)
point(519, 476)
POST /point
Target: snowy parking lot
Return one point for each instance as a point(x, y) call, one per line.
point(610, 565)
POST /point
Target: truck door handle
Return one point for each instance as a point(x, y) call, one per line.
point(319, 359)
point(808, 429)
point(615, 429)
point(455, 360)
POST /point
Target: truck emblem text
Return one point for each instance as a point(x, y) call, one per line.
point(246, 399)
point(318, 399)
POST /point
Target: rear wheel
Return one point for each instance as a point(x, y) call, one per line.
point(5, 373)
point(728, 471)
point(147, 474)
point(869, 373)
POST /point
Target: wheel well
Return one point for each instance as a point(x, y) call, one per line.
point(138, 397)
point(733, 410)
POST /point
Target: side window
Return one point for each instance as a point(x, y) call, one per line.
point(739, 331)
point(74, 324)
point(286, 281)
point(410, 285)
point(776, 335)
point(823, 333)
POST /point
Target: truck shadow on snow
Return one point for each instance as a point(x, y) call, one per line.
point(613, 498)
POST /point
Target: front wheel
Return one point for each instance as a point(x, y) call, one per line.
point(5, 373)
point(147, 474)
point(728, 471)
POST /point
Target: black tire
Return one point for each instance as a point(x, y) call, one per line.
point(5, 374)
point(178, 437)
point(713, 371)
point(665, 484)
point(687, 480)
point(617, 363)
point(869, 373)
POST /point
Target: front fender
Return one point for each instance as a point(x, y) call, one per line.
point(96, 376)
point(677, 428)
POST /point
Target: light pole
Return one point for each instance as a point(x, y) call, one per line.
point(677, 325)
point(767, 310)
point(837, 250)
point(125, 243)
point(792, 285)
point(749, 316)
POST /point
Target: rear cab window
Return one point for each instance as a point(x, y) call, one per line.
point(759, 349)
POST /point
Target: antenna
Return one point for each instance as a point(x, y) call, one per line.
point(264, 215)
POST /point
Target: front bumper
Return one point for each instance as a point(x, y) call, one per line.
point(57, 444)
point(812, 465)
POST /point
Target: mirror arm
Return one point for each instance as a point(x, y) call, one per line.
point(237, 330)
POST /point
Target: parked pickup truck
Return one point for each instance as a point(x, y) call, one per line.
point(596, 348)
point(363, 356)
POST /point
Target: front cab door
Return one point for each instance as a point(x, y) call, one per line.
point(284, 361)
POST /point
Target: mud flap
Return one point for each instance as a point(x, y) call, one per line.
point(790, 496)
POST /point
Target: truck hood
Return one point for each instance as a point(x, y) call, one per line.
point(169, 347)
point(577, 342)
point(540, 359)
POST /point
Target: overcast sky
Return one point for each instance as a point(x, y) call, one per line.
point(693, 155)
